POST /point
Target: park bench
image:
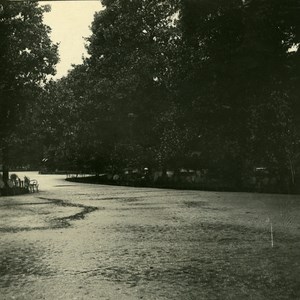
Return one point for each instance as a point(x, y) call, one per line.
point(31, 184)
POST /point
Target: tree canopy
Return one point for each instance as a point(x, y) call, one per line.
point(185, 84)
point(27, 56)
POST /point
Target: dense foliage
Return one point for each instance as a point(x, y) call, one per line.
point(27, 56)
point(209, 86)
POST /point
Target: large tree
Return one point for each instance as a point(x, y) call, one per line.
point(27, 56)
point(130, 50)
point(237, 81)
point(67, 115)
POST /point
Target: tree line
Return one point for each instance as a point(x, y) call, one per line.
point(209, 86)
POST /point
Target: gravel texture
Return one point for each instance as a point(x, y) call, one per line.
point(84, 241)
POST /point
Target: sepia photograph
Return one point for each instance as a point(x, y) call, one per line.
point(150, 149)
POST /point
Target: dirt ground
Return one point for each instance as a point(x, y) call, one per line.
point(83, 241)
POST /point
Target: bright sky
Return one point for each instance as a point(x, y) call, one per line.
point(70, 23)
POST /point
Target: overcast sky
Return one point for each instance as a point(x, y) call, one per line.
point(70, 22)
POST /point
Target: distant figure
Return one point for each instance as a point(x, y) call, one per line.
point(2, 184)
point(15, 179)
point(26, 181)
point(31, 185)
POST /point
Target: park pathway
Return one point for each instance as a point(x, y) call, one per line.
point(83, 241)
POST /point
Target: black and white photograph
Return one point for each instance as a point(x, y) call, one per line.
point(150, 149)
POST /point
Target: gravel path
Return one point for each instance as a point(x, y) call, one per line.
point(82, 241)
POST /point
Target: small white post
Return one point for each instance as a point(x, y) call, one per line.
point(272, 238)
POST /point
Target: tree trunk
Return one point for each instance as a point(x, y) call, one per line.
point(5, 174)
point(292, 170)
point(5, 169)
